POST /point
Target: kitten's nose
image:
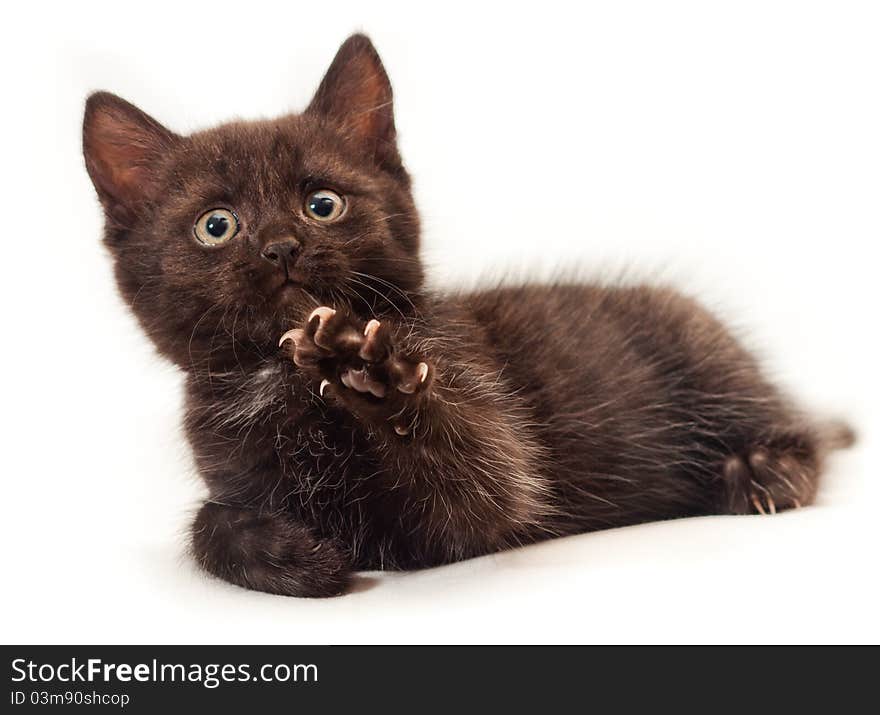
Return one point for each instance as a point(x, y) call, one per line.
point(282, 253)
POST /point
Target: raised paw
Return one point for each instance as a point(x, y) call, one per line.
point(340, 352)
point(768, 479)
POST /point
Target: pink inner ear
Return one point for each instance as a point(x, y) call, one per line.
point(121, 152)
point(371, 103)
point(127, 180)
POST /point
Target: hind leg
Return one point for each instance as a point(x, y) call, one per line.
point(771, 475)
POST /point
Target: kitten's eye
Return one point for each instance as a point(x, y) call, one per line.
point(325, 205)
point(215, 227)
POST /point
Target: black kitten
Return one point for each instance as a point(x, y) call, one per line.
point(391, 428)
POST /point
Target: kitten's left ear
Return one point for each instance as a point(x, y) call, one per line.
point(356, 93)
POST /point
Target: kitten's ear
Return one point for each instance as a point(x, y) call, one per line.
point(356, 93)
point(123, 148)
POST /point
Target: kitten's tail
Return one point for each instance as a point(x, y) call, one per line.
point(836, 434)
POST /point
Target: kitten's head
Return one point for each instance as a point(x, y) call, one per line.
point(226, 238)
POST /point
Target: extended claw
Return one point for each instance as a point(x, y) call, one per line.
point(323, 312)
point(323, 386)
point(409, 386)
point(372, 349)
point(371, 328)
point(290, 335)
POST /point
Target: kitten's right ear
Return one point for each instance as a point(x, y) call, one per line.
point(123, 148)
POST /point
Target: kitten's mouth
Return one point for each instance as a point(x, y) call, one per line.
point(290, 283)
point(292, 279)
point(294, 275)
point(287, 286)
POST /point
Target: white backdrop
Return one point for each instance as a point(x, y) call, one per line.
point(732, 148)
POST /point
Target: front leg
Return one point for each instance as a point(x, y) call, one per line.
point(267, 552)
point(454, 439)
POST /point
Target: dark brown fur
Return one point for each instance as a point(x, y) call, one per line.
point(544, 410)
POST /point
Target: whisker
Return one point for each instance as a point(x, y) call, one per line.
point(390, 285)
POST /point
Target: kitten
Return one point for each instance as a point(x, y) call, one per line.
point(343, 418)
